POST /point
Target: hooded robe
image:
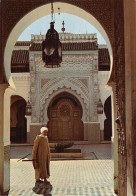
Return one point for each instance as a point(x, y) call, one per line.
point(41, 156)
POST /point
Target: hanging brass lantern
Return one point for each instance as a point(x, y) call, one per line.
point(99, 107)
point(52, 48)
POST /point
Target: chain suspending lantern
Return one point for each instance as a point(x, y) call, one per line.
point(52, 47)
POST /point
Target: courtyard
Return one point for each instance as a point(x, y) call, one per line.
point(91, 176)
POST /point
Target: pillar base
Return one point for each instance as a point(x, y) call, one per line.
point(92, 132)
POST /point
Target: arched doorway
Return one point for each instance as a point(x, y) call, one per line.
point(43, 10)
point(119, 15)
point(18, 126)
point(6, 64)
point(65, 113)
point(108, 120)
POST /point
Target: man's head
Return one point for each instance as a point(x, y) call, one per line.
point(44, 131)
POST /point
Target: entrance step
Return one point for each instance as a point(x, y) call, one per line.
point(105, 142)
point(20, 144)
point(53, 143)
point(66, 155)
point(81, 142)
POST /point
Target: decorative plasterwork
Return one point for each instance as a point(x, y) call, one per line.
point(70, 82)
point(71, 63)
point(72, 85)
point(44, 82)
point(60, 83)
point(84, 81)
point(78, 73)
point(21, 77)
point(45, 104)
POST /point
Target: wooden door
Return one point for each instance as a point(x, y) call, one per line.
point(65, 121)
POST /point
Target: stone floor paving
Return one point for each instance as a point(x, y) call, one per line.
point(68, 177)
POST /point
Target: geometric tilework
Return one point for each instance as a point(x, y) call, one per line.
point(97, 191)
point(68, 177)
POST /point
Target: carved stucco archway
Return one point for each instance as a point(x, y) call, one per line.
point(72, 83)
point(40, 12)
point(55, 92)
point(119, 13)
point(31, 16)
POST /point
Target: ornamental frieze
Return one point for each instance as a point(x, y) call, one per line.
point(70, 63)
point(21, 77)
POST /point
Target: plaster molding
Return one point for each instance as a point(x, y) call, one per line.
point(56, 83)
point(45, 104)
point(71, 64)
point(20, 76)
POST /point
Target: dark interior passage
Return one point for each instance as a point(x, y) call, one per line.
point(108, 120)
point(18, 126)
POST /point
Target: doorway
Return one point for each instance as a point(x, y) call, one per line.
point(108, 120)
point(65, 115)
point(18, 126)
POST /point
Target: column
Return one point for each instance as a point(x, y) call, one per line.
point(28, 128)
point(92, 132)
point(4, 140)
point(114, 138)
point(130, 85)
point(101, 118)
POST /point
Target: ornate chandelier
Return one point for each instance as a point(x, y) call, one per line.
point(52, 47)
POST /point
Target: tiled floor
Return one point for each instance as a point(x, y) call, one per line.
point(68, 177)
